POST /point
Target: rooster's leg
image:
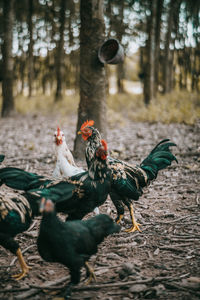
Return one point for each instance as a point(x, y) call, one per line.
point(119, 218)
point(135, 225)
point(90, 271)
point(25, 268)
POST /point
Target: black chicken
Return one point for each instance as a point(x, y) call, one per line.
point(72, 243)
point(127, 180)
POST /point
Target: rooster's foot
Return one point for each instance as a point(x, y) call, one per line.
point(25, 268)
point(25, 271)
point(91, 273)
point(134, 228)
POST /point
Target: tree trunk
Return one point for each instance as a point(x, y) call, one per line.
point(194, 71)
point(30, 49)
point(150, 54)
point(22, 73)
point(7, 84)
point(168, 56)
point(60, 53)
point(157, 44)
point(120, 32)
point(92, 73)
point(120, 77)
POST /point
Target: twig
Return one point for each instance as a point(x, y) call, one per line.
point(14, 290)
point(185, 236)
point(194, 153)
point(182, 288)
point(180, 245)
point(179, 219)
point(171, 248)
point(32, 226)
point(36, 289)
point(6, 266)
point(197, 200)
point(52, 286)
point(184, 240)
point(121, 284)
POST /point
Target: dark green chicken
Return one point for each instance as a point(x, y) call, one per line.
point(127, 180)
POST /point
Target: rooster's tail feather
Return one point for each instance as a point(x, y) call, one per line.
point(159, 158)
point(21, 180)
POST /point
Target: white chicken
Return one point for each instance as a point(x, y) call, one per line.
point(65, 165)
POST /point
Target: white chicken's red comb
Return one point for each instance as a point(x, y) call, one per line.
point(58, 130)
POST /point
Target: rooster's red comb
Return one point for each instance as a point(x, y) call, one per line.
point(58, 130)
point(104, 144)
point(87, 123)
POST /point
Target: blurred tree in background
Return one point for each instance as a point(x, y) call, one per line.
point(41, 42)
point(7, 62)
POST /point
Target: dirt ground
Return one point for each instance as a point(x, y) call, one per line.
point(161, 262)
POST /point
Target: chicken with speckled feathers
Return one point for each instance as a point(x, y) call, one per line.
point(128, 181)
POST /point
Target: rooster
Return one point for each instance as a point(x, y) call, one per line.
point(72, 243)
point(127, 180)
point(65, 165)
point(75, 196)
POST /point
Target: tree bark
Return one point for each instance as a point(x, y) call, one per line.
point(7, 84)
point(92, 73)
point(149, 77)
point(60, 52)
point(168, 55)
point(120, 32)
point(30, 49)
point(120, 77)
point(157, 44)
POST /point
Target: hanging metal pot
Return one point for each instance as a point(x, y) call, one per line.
point(111, 52)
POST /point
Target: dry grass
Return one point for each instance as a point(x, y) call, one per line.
point(46, 104)
point(177, 107)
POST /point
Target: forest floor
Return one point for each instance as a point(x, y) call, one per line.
point(161, 262)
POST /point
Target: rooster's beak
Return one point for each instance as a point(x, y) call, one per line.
point(79, 132)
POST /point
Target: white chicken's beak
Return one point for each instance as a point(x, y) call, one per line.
point(58, 140)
